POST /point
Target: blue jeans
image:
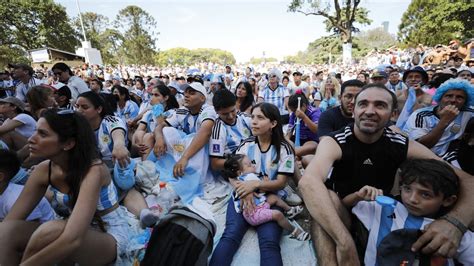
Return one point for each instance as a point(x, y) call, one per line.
point(235, 227)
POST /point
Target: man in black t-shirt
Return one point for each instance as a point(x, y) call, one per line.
point(341, 116)
point(368, 153)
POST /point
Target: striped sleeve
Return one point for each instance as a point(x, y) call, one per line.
point(416, 126)
point(287, 160)
point(217, 141)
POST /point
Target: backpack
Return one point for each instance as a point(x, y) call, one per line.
point(182, 237)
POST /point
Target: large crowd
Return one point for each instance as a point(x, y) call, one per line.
point(87, 154)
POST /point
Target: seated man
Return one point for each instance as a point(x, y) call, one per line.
point(436, 126)
point(183, 136)
point(230, 128)
point(339, 117)
point(368, 153)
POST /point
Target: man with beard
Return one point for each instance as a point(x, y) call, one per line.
point(339, 117)
point(369, 153)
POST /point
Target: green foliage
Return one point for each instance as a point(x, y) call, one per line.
point(340, 17)
point(26, 25)
point(139, 37)
point(437, 21)
point(185, 57)
point(94, 25)
point(329, 48)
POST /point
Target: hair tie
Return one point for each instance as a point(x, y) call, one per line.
point(299, 91)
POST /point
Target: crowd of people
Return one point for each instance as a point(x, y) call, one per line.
point(272, 140)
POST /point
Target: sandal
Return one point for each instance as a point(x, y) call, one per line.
point(302, 236)
point(294, 211)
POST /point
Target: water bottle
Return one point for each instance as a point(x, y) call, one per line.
point(167, 197)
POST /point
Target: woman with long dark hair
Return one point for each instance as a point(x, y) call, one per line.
point(245, 99)
point(144, 138)
point(95, 231)
point(274, 161)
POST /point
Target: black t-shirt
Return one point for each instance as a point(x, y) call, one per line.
point(332, 120)
point(366, 164)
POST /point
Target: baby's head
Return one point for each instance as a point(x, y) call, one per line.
point(9, 165)
point(428, 187)
point(237, 164)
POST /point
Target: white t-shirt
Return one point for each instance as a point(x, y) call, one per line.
point(43, 212)
point(28, 127)
point(77, 86)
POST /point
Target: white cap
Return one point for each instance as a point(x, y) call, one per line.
point(197, 87)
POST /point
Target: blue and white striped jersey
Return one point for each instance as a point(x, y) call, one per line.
point(225, 139)
point(275, 97)
point(189, 123)
point(103, 135)
point(151, 121)
point(375, 219)
point(129, 111)
point(424, 120)
point(264, 160)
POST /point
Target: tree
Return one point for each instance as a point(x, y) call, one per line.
point(139, 37)
point(376, 38)
point(26, 25)
point(431, 22)
point(94, 25)
point(185, 57)
point(341, 20)
point(259, 60)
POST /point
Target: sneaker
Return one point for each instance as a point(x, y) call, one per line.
point(149, 217)
point(291, 197)
point(294, 211)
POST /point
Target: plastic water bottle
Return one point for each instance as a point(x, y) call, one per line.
point(166, 197)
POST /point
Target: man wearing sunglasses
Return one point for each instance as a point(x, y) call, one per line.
point(64, 74)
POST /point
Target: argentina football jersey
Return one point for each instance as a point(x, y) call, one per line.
point(275, 97)
point(225, 138)
point(189, 123)
point(103, 135)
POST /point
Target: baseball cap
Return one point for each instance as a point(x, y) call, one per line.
point(195, 86)
point(64, 91)
point(297, 73)
point(379, 74)
point(15, 101)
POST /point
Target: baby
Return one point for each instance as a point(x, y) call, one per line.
point(238, 167)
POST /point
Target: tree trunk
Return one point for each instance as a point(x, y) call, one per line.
point(347, 53)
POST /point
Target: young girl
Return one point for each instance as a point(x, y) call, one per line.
point(143, 138)
point(274, 158)
point(239, 167)
point(309, 124)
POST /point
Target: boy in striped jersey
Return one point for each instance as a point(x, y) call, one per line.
point(429, 188)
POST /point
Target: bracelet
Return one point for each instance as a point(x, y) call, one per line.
point(456, 223)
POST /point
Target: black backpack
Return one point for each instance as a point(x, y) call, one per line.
point(182, 237)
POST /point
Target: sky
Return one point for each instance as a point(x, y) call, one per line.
point(246, 28)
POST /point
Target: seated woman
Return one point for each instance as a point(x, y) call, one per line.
point(328, 95)
point(127, 109)
point(18, 125)
point(111, 138)
point(144, 138)
point(95, 231)
point(245, 98)
point(274, 158)
point(39, 99)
